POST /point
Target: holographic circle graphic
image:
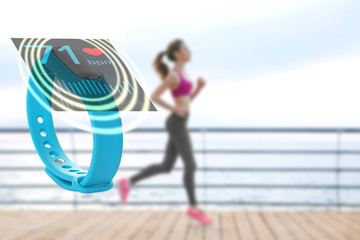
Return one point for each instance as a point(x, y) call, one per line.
point(122, 70)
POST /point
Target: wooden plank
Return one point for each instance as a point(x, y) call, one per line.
point(120, 220)
point(180, 228)
point(134, 226)
point(8, 218)
point(104, 219)
point(23, 230)
point(321, 226)
point(74, 218)
point(103, 225)
point(307, 226)
point(335, 223)
point(295, 230)
point(22, 216)
point(18, 223)
point(280, 230)
point(344, 218)
point(195, 230)
point(162, 232)
point(87, 220)
point(175, 225)
point(150, 226)
point(347, 220)
point(52, 229)
point(263, 232)
point(13, 216)
point(213, 232)
point(244, 226)
point(353, 216)
point(228, 226)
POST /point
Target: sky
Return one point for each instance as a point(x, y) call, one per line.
point(266, 63)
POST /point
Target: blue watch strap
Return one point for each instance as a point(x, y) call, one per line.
point(107, 148)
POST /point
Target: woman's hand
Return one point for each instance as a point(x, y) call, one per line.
point(201, 82)
point(181, 111)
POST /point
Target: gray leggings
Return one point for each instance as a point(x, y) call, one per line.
point(178, 143)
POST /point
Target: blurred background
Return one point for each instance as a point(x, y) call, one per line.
point(276, 126)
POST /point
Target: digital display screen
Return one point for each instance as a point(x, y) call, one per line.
point(82, 74)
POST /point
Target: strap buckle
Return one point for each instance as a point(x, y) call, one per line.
point(75, 184)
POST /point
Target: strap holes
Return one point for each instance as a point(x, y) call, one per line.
point(66, 166)
point(47, 144)
point(73, 170)
point(53, 154)
point(40, 119)
point(81, 173)
point(59, 161)
point(43, 133)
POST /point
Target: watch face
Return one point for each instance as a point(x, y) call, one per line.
point(82, 75)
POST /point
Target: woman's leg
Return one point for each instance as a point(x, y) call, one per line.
point(182, 141)
point(181, 138)
point(165, 166)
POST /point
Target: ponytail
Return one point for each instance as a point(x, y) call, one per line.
point(161, 67)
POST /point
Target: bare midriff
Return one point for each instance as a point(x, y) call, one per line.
point(183, 101)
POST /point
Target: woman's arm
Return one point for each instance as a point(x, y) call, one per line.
point(156, 95)
point(200, 84)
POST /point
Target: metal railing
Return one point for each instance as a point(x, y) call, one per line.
point(337, 187)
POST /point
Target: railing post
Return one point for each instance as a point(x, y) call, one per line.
point(337, 173)
point(204, 152)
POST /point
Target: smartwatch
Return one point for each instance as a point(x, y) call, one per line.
point(82, 82)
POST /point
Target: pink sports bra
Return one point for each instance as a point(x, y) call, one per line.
point(184, 88)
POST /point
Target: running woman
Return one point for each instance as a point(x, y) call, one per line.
point(179, 142)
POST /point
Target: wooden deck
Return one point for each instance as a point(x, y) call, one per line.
point(174, 225)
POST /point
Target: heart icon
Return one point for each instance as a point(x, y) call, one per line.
point(93, 51)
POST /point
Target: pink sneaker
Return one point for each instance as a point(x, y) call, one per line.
point(124, 189)
point(199, 215)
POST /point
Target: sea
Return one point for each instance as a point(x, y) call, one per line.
point(234, 170)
